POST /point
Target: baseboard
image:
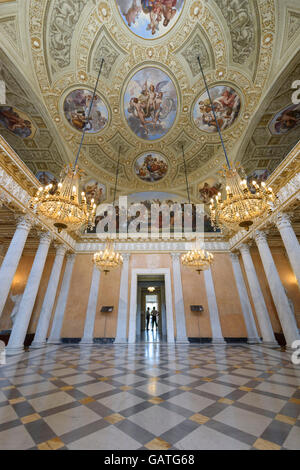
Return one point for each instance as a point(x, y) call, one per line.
point(209, 340)
point(200, 340)
point(96, 340)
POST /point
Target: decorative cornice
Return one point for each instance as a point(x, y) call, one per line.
point(150, 247)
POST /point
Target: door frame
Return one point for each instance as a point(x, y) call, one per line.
point(135, 272)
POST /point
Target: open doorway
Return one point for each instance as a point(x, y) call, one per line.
point(151, 309)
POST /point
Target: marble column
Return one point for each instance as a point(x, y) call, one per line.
point(19, 330)
point(88, 334)
point(262, 313)
point(290, 242)
point(139, 313)
point(121, 336)
point(252, 333)
point(163, 311)
point(58, 319)
point(49, 299)
point(217, 336)
point(11, 260)
point(181, 336)
point(286, 316)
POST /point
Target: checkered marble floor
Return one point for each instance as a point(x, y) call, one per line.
point(150, 396)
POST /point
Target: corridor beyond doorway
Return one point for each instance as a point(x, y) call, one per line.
point(151, 309)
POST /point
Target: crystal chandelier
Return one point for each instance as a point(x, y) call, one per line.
point(199, 259)
point(65, 206)
point(242, 205)
point(107, 259)
point(151, 289)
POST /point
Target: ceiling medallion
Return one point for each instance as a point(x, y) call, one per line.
point(76, 107)
point(150, 103)
point(227, 105)
point(150, 19)
point(151, 167)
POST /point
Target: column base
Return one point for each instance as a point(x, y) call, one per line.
point(220, 341)
point(254, 341)
point(86, 341)
point(182, 340)
point(11, 351)
point(121, 341)
point(37, 345)
point(54, 341)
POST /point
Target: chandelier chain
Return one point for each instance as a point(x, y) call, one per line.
point(88, 115)
point(214, 113)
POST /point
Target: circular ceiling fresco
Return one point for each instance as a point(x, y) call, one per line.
point(150, 103)
point(16, 121)
point(227, 105)
point(150, 19)
point(76, 107)
point(151, 167)
point(285, 120)
point(94, 190)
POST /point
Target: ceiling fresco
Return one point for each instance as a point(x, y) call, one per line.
point(150, 103)
point(227, 105)
point(150, 19)
point(76, 107)
point(151, 99)
point(278, 129)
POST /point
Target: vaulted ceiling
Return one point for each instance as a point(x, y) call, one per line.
point(51, 48)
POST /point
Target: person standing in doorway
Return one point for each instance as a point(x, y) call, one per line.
point(148, 314)
point(154, 315)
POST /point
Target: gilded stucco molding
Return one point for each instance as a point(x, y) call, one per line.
point(162, 53)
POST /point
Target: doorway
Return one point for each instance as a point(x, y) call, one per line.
point(151, 308)
point(151, 290)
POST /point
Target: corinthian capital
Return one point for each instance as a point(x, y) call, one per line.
point(60, 249)
point(45, 237)
point(176, 256)
point(234, 257)
point(24, 222)
point(126, 257)
point(282, 220)
point(244, 249)
point(260, 237)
